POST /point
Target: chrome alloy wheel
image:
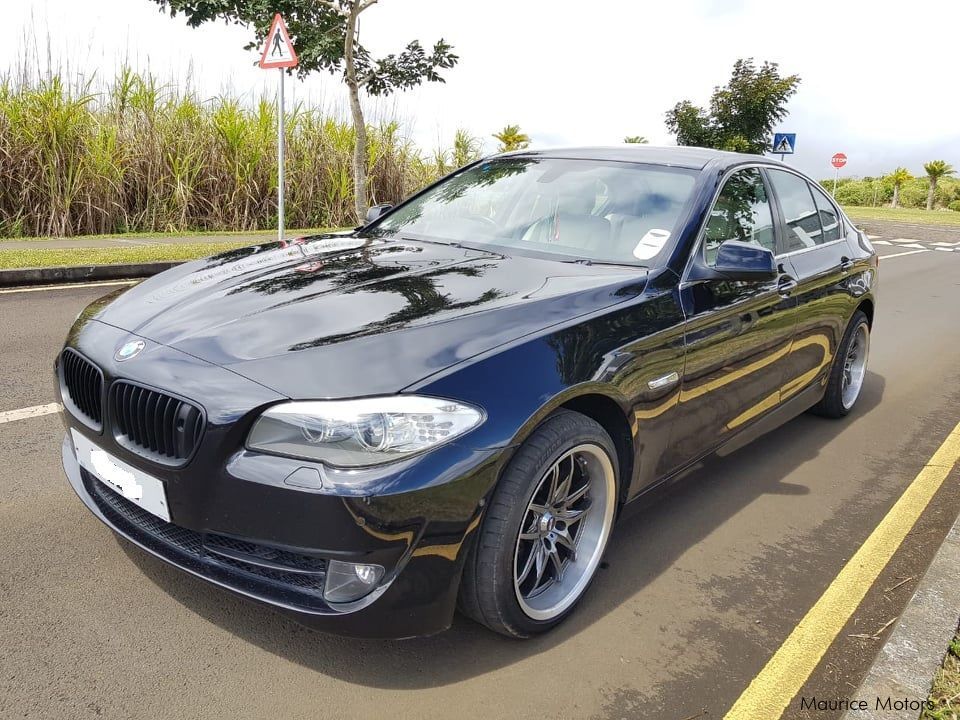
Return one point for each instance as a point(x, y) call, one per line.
point(855, 366)
point(564, 532)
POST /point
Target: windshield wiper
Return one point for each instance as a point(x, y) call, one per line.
point(588, 261)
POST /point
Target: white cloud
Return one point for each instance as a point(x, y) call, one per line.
point(877, 78)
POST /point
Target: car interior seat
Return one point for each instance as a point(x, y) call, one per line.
point(571, 225)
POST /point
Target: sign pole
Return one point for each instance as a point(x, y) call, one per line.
point(278, 53)
point(838, 161)
point(280, 153)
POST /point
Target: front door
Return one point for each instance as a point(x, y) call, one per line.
point(737, 334)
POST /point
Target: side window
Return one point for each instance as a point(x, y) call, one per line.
point(832, 224)
point(742, 212)
point(799, 211)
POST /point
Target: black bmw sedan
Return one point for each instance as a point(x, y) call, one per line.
point(450, 406)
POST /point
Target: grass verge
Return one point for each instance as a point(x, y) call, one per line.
point(945, 694)
point(54, 257)
point(911, 215)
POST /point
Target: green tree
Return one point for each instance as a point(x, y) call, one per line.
point(512, 139)
point(742, 114)
point(936, 169)
point(897, 178)
point(325, 35)
point(635, 140)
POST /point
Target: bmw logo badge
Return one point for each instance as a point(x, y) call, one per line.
point(129, 350)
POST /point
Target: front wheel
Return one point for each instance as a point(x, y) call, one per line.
point(849, 370)
point(546, 529)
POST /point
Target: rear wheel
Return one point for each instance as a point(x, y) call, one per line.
point(546, 529)
point(849, 370)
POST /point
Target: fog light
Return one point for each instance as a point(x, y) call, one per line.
point(350, 581)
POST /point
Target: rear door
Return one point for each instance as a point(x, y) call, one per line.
point(737, 334)
point(815, 248)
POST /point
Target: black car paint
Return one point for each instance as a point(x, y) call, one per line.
point(353, 315)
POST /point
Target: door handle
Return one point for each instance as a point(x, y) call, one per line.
point(845, 264)
point(786, 285)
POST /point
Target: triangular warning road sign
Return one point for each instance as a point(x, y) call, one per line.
point(784, 146)
point(278, 51)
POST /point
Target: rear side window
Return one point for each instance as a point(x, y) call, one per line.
point(799, 210)
point(831, 223)
point(742, 212)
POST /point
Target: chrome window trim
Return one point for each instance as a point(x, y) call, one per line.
point(810, 249)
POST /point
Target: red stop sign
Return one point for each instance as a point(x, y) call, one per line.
point(838, 160)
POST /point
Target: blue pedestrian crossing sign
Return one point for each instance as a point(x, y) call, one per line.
point(784, 143)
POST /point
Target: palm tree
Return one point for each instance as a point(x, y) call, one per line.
point(936, 169)
point(635, 140)
point(512, 139)
point(898, 177)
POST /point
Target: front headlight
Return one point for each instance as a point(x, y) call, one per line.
point(356, 433)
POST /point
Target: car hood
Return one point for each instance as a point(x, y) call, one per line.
point(344, 315)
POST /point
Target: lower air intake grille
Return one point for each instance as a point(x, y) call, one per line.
point(272, 573)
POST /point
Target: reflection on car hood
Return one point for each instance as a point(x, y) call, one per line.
point(342, 315)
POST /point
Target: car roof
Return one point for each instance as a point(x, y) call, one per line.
point(695, 158)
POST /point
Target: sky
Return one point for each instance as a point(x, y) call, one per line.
point(879, 79)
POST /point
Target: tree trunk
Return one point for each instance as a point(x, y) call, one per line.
point(933, 187)
point(359, 126)
point(896, 196)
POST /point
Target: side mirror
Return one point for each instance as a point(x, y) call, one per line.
point(738, 260)
point(376, 211)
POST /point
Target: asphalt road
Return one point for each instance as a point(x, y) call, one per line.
point(700, 587)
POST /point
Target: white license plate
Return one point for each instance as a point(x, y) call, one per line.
point(136, 486)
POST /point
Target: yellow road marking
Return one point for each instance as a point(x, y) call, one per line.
point(771, 691)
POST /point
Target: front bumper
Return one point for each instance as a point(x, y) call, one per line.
point(419, 536)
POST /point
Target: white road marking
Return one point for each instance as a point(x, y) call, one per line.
point(29, 412)
point(72, 286)
point(944, 249)
point(915, 245)
point(908, 252)
point(882, 242)
point(902, 240)
point(946, 244)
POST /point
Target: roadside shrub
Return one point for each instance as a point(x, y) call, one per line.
point(955, 206)
point(865, 191)
point(854, 193)
point(913, 194)
point(139, 156)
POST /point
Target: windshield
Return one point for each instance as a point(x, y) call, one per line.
point(577, 209)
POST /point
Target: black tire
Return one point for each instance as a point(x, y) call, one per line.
point(487, 592)
point(831, 405)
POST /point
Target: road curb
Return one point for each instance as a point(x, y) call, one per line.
point(904, 668)
point(81, 273)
